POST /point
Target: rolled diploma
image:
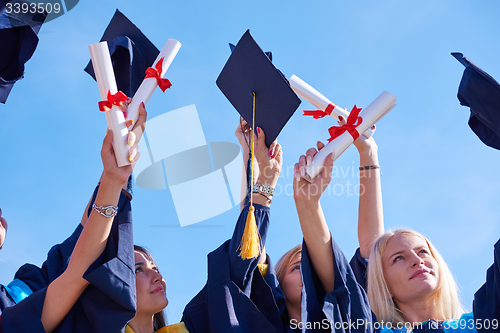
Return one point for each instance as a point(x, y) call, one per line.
point(304, 90)
point(371, 114)
point(148, 86)
point(105, 77)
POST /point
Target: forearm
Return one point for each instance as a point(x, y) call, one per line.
point(85, 212)
point(93, 239)
point(318, 240)
point(370, 215)
point(63, 292)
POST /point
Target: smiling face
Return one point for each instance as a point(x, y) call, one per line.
point(292, 281)
point(150, 286)
point(3, 229)
point(410, 270)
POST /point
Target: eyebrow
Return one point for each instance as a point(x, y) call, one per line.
point(139, 263)
point(399, 252)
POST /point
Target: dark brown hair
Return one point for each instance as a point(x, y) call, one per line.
point(159, 317)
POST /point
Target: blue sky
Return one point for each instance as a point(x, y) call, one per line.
point(438, 177)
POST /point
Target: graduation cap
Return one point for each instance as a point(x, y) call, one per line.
point(131, 53)
point(249, 70)
point(18, 38)
point(268, 54)
point(481, 92)
point(264, 98)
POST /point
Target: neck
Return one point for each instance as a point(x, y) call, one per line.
point(293, 312)
point(419, 311)
point(142, 324)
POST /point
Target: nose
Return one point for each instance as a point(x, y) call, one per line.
point(156, 276)
point(416, 260)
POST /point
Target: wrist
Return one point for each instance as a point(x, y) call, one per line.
point(268, 181)
point(308, 205)
point(111, 182)
point(369, 157)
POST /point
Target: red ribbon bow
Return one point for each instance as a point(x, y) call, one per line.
point(317, 114)
point(115, 99)
point(352, 121)
point(164, 84)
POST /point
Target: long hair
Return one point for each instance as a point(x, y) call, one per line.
point(381, 302)
point(285, 261)
point(159, 317)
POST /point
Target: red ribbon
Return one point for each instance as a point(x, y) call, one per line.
point(317, 114)
point(164, 84)
point(115, 99)
point(352, 121)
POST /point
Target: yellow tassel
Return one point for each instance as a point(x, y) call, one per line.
point(250, 241)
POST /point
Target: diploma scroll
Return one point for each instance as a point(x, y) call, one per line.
point(148, 85)
point(305, 91)
point(105, 77)
point(371, 114)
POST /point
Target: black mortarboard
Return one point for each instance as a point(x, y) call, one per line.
point(18, 41)
point(479, 91)
point(131, 53)
point(250, 70)
point(268, 54)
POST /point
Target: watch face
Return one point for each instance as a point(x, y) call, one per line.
point(109, 211)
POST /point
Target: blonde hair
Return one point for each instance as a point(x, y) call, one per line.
point(381, 302)
point(285, 261)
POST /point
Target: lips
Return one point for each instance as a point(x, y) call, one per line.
point(420, 273)
point(158, 289)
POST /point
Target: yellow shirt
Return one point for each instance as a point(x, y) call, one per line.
point(175, 328)
point(263, 269)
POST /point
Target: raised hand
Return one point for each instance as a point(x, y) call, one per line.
point(305, 191)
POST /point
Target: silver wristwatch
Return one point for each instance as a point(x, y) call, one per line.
point(263, 189)
point(108, 211)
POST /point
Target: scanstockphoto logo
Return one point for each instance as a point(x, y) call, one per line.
point(36, 11)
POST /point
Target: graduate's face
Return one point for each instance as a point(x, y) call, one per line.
point(292, 282)
point(410, 270)
point(3, 229)
point(150, 286)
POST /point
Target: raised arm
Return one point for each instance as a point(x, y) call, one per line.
point(370, 214)
point(312, 220)
point(64, 291)
point(137, 131)
point(243, 134)
point(267, 167)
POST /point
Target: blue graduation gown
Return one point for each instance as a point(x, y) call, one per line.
point(236, 297)
point(106, 305)
point(486, 306)
point(344, 309)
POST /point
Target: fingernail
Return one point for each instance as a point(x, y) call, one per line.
point(131, 158)
point(302, 171)
point(258, 130)
point(107, 131)
point(341, 118)
point(129, 99)
point(144, 106)
point(132, 120)
point(274, 156)
point(125, 114)
point(309, 160)
point(130, 143)
point(270, 153)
